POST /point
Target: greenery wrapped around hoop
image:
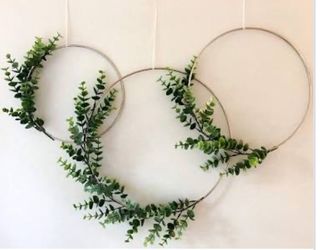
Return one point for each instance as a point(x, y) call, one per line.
point(108, 202)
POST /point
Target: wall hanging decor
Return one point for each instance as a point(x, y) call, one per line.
point(108, 201)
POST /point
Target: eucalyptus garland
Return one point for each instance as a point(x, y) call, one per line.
point(23, 81)
point(108, 203)
point(210, 140)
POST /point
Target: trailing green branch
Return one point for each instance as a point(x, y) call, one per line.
point(210, 140)
point(23, 82)
point(108, 202)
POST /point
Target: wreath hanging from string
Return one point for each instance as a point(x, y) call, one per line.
point(108, 201)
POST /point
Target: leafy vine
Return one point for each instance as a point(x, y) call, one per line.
point(108, 202)
point(23, 82)
point(210, 140)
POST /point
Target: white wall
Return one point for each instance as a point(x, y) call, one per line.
point(258, 78)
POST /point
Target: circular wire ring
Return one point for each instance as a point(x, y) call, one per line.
point(198, 81)
point(299, 55)
point(108, 59)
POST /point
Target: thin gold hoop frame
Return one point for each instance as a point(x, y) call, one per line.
point(108, 59)
point(199, 82)
point(299, 55)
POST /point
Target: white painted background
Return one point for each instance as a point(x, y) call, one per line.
point(258, 78)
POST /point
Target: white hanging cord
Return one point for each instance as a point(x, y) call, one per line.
point(154, 38)
point(67, 22)
point(243, 23)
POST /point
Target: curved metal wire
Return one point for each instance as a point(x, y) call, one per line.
point(299, 55)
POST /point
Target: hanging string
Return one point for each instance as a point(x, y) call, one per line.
point(243, 21)
point(154, 38)
point(67, 22)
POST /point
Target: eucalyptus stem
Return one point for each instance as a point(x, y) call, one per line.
point(24, 83)
point(210, 140)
